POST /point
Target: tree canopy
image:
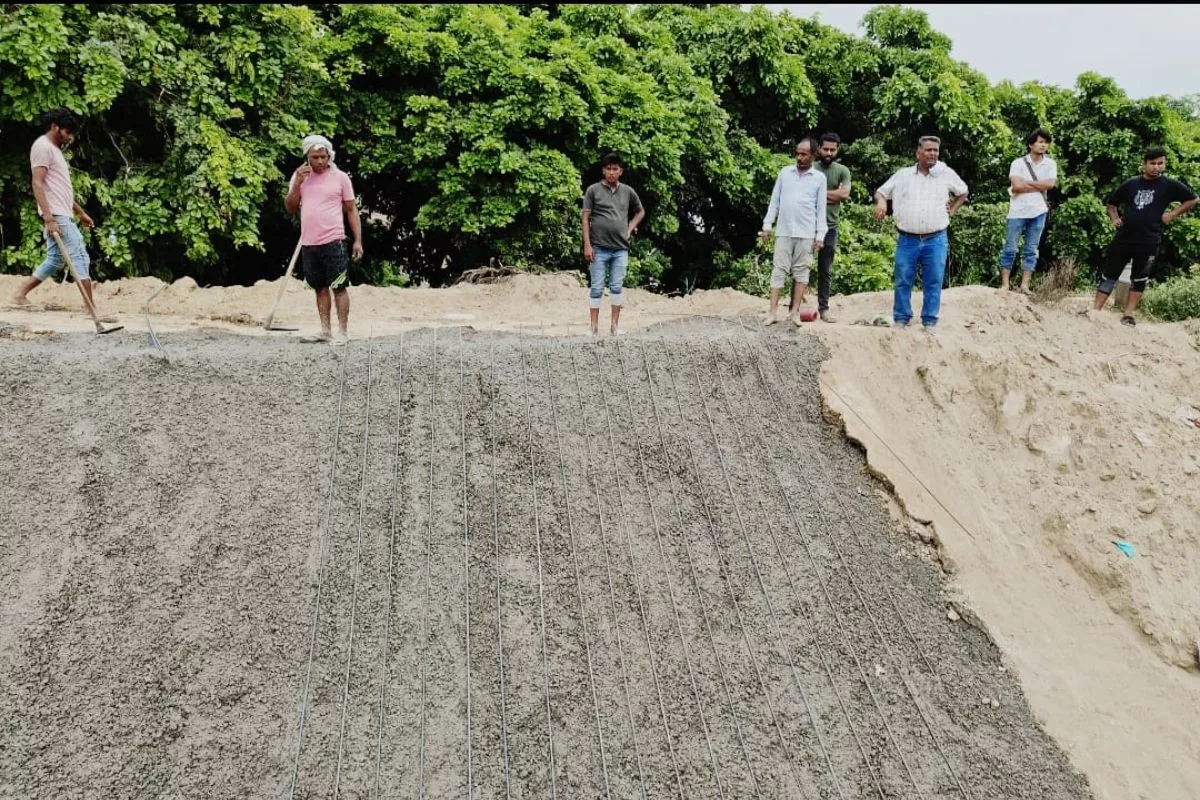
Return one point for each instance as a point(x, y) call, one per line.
point(470, 132)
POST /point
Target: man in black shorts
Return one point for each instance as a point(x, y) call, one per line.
point(1140, 228)
point(322, 194)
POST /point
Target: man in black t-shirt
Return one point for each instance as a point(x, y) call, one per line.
point(1140, 228)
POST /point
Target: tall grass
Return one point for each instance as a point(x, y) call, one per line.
point(1059, 281)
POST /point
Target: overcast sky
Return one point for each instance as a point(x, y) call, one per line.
point(1149, 50)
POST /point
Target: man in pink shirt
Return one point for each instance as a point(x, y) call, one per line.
point(56, 205)
point(322, 193)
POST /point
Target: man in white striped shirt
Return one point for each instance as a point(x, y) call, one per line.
point(922, 208)
point(799, 201)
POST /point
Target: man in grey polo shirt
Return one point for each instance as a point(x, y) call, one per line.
point(606, 231)
point(799, 202)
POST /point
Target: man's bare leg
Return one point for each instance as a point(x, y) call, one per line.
point(1101, 299)
point(86, 285)
point(324, 303)
point(1026, 277)
point(771, 315)
point(341, 298)
point(1004, 273)
point(594, 315)
point(798, 290)
point(1131, 304)
point(616, 315)
point(21, 298)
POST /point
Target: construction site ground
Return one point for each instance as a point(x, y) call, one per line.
point(475, 553)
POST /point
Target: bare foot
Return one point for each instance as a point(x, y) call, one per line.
point(323, 336)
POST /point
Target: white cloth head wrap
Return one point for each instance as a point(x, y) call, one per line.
point(317, 141)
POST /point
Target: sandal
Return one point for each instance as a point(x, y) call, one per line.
point(1128, 320)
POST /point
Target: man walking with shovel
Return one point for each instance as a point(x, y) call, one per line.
point(55, 196)
point(322, 193)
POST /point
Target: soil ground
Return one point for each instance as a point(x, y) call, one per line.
point(188, 608)
point(521, 564)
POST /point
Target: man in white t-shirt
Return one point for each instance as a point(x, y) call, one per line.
point(56, 205)
point(1030, 177)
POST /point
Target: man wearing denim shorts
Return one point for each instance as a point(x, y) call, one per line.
point(322, 193)
point(55, 196)
point(606, 231)
point(799, 200)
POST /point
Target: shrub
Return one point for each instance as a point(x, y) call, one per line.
point(1175, 299)
point(749, 273)
point(646, 265)
point(1079, 229)
point(976, 238)
point(865, 254)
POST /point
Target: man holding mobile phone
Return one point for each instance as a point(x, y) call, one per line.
point(322, 193)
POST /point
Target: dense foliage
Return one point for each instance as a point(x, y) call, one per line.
point(471, 130)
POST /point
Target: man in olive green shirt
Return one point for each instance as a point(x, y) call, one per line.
point(837, 178)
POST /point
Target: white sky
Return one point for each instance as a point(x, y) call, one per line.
point(1148, 50)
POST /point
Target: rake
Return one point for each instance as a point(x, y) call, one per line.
point(87, 301)
point(269, 324)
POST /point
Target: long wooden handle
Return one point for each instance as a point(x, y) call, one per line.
point(283, 285)
point(87, 301)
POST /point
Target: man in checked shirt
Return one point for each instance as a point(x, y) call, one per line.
point(924, 197)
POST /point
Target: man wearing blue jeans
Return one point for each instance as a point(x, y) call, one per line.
point(606, 231)
point(55, 197)
point(1030, 177)
point(921, 207)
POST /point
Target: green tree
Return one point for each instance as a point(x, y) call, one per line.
point(470, 132)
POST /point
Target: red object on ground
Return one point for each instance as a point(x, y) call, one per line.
point(808, 315)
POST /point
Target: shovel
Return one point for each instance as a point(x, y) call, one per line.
point(279, 295)
point(87, 301)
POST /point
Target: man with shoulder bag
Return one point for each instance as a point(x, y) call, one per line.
point(1030, 178)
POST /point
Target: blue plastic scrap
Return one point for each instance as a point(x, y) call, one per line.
point(1124, 547)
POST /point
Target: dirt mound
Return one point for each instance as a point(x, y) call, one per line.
point(1041, 443)
point(555, 303)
